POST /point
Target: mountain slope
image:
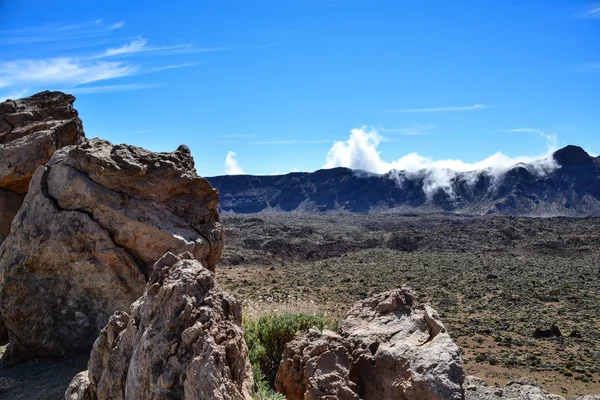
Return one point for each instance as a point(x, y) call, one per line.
point(567, 184)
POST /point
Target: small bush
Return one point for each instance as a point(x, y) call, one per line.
point(266, 338)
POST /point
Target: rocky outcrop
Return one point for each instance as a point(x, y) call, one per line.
point(402, 350)
point(182, 340)
point(524, 388)
point(316, 365)
point(391, 347)
point(31, 130)
point(95, 218)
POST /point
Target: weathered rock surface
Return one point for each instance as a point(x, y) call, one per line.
point(79, 388)
point(521, 389)
point(316, 365)
point(95, 218)
point(182, 340)
point(391, 347)
point(31, 130)
point(401, 350)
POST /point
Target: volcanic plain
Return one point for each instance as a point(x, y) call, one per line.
point(520, 296)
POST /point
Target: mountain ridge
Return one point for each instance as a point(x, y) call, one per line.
point(570, 187)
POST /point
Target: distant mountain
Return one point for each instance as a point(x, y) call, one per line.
point(566, 184)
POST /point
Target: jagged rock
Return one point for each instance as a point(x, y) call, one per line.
point(31, 130)
point(524, 388)
point(79, 388)
point(95, 218)
point(183, 340)
point(316, 365)
point(588, 397)
point(401, 350)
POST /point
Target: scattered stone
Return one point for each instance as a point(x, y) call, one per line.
point(182, 340)
point(316, 365)
point(524, 388)
point(96, 217)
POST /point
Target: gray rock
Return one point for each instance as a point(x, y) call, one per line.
point(182, 340)
point(316, 365)
point(94, 220)
point(401, 350)
point(79, 388)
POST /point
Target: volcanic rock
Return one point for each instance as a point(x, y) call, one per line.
point(401, 350)
point(566, 183)
point(316, 365)
point(95, 218)
point(523, 388)
point(182, 340)
point(31, 130)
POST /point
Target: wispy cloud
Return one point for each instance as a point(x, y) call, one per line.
point(61, 70)
point(550, 138)
point(57, 32)
point(140, 45)
point(111, 88)
point(290, 141)
point(14, 95)
point(232, 167)
point(437, 109)
point(416, 129)
point(71, 66)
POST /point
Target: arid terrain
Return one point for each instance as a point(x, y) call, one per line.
point(502, 284)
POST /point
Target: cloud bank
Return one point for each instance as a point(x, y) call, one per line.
point(232, 167)
point(360, 151)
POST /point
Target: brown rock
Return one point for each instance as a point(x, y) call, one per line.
point(95, 217)
point(401, 350)
point(31, 130)
point(183, 340)
point(316, 365)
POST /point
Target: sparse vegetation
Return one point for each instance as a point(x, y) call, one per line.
point(266, 337)
point(495, 280)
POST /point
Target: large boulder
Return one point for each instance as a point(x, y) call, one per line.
point(316, 365)
point(95, 218)
point(31, 130)
point(390, 347)
point(182, 340)
point(401, 350)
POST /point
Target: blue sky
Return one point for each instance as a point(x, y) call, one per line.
point(276, 86)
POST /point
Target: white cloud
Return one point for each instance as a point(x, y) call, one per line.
point(61, 70)
point(232, 167)
point(550, 138)
point(593, 13)
point(437, 109)
point(360, 151)
point(140, 45)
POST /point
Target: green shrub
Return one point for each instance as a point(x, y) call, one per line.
point(266, 338)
